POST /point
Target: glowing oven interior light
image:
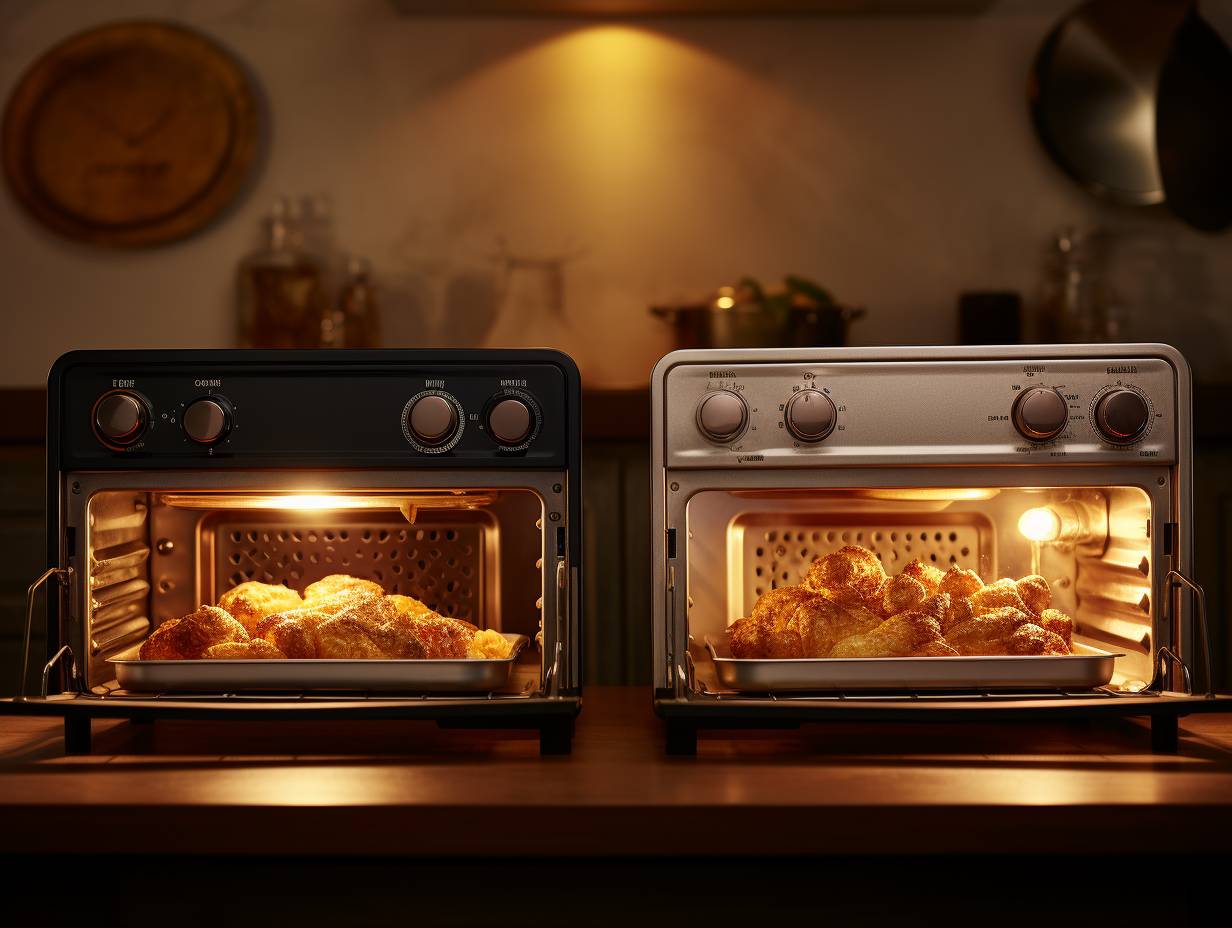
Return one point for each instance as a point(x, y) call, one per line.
point(1040, 524)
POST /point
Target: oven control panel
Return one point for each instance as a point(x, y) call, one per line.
point(920, 411)
point(125, 409)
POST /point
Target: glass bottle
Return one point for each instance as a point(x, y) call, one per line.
point(354, 322)
point(280, 289)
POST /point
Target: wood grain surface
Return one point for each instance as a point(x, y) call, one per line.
point(410, 789)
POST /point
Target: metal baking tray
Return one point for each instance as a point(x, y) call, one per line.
point(1087, 669)
point(230, 676)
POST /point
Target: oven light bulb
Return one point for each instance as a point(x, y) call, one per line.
point(1040, 524)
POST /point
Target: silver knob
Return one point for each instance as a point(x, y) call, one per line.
point(120, 418)
point(207, 420)
point(810, 415)
point(722, 416)
point(433, 420)
point(1040, 414)
point(510, 421)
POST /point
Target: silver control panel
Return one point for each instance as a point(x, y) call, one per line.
point(920, 412)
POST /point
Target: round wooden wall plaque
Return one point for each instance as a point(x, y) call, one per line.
point(130, 134)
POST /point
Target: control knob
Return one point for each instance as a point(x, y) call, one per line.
point(1122, 415)
point(810, 415)
point(722, 415)
point(1040, 413)
point(207, 420)
point(432, 419)
point(120, 418)
point(510, 421)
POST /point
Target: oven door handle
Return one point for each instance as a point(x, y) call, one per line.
point(551, 682)
point(62, 575)
point(1177, 579)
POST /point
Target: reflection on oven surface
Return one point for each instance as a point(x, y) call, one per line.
point(337, 617)
point(847, 606)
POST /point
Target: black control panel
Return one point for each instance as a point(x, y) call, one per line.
point(307, 409)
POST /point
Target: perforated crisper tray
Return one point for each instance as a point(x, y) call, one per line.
point(1087, 669)
point(407, 676)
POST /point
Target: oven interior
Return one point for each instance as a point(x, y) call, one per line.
point(153, 555)
point(1092, 544)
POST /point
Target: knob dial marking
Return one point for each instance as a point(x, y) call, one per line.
point(120, 418)
point(810, 415)
point(207, 420)
point(1122, 416)
point(432, 421)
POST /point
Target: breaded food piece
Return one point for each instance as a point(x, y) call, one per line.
point(189, 637)
point(901, 594)
point(908, 634)
point(927, 574)
point(1034, 592)
point(1061, 625)
point(852, 575)
point(996, 596)
point(988, 632)
point(257, 649)
point(1031, 639)
point(339, 583)
point(252, 601)
point(347, 637)
point(487, 644)
point(960, 583)
point(434, 636)
point(291, 634)
point(407, 604)
point(795, 622)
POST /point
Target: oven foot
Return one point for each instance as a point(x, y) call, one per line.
point(556, 736)
point(681, 739)
point(1164, 733)
point(76, 734)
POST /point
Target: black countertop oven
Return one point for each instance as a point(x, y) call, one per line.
point(449, 479)
point(924, 534)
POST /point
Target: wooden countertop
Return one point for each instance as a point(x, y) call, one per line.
point(409, 788)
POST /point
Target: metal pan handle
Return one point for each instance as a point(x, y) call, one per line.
point(62, 576)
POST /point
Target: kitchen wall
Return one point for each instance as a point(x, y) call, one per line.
point(890, 158)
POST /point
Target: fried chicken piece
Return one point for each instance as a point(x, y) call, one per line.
point(349, 637)
point(996, 596)
point(916, 633)
point(339, 583)
point(435, 636)
point(987, 632)
point(901, 594)
point(794, 622)
point(1034, 592)
point(850, 576)
point(960, 583)
point(927, 574)
point(407, 604)
point(487, 644)
point(187, 638)
point(1031, 639)
point(256, 649)
point(1061, 625)
point(253, 600)
point(291, 634)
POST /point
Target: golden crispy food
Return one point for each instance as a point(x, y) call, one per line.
point(250, 602)
point(291, 633)
point(407, 604)
point(189, 637)
point(348, 637)
point(256, 649)
point(1031, 639)
point(909, 634)
point(339, 583)
point(441, 638)
point(1034, 592)
point(794, 622)
point(927, 574)
point(996, 596)
point(852, 575)
point(1061, 625)
point(901, 594)
point(960, 583)
point(490, 645)
point(988, 632)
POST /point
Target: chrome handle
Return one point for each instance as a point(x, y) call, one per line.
point(72, 667)
point(62, 575)
point(552, 679)
point(1176, 578)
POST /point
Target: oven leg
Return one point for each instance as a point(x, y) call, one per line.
point(76, 734)
point(1164, 733)
point(681, 739)
point(556, 735)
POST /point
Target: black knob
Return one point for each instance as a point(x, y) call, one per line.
point(1040, 414)
point(120, 418)
point(207, 420)
point(810, 415)
point(1122, 416)
point(510, 421)
point(432, 420)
